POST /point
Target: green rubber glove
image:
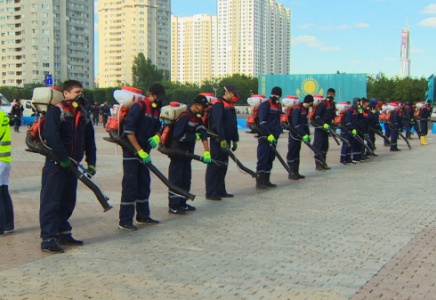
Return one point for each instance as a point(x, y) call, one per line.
point(326, 126)
point(66, 164)
point(153, 141)
point(305, 138)
point(197, 137)
point(235, 146)
point(144, 156)
point(360, 110)
point(412, 121)
point(206, 157)
point(399, 130)
point(92, 170)
point(271, 139)
point(366, 135)
point(381, 131)
point(309, 139)
point(354, 132)
point(15, 116)
point(223, 145)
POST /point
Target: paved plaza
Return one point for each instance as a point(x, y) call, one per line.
point(363, 231)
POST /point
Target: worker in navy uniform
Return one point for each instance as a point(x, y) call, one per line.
point(364, 128)
point(95, 114)
point(186, 131)
point(397, 121)
point(408, 120)
point(324, 115)
point(17, 112)
point(350, 122)
point(424, 118)
point(223, 122)
point(373, 121)
point(300, 123)
point(105, 113)
point(269, 121)
point(68, 131)
point(142, 128)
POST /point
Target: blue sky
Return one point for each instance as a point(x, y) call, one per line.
point(352, 36)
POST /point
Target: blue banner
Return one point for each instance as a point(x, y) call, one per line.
point(430, 92)
point(347, 86)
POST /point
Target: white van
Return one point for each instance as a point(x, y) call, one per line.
point(6, 105)
point(28, 113)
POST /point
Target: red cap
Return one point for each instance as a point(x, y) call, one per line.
point(132, 89)
point(257, 96)
point(55, 88)
point(174, 104)
point(291, 97)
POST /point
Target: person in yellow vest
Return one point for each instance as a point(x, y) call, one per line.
point(6, 208)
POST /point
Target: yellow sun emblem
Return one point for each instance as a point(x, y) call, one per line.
point(309, 86)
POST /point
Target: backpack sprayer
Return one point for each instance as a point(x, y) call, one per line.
point(43, 98)
point(255, 101)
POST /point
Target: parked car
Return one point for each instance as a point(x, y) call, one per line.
point(6, 105)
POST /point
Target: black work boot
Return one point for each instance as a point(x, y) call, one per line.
point(326, 166)
point(260, 182)
point(267, 182)
point(319, 166)
point(294, 175)
point(385, 143)
point(297, 168)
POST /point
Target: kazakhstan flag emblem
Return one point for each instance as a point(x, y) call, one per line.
point(309, 87)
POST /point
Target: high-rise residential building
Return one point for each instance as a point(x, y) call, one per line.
point(127, 28)
point(253, 37)
point(41, 37)
point(193, 48)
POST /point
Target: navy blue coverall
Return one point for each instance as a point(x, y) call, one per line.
point(269, 121)
point(301, 125)
point(361, 131)
point(142, 121)
point(397, 121)
point(408, 116)
point(350, 120)
point(425, 117)
point(70, 134)
point(185, 131)
point(224, 123)
point(325, 114)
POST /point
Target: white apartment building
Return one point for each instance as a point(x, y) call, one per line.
point(253, 37)
point(128, 27)
point(40, 37)
point(193, 48)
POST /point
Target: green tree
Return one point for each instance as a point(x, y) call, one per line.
point(145, 73)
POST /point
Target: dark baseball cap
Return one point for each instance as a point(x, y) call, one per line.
point(158, 90)
point(200, 99)
point(231, 88)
